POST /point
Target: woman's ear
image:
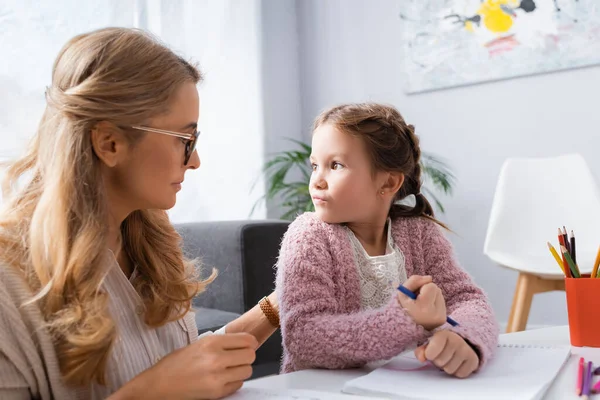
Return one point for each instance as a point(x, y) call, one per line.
point(393, 182)
point(109, 143)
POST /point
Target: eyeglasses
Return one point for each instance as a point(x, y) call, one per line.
point(190, 144)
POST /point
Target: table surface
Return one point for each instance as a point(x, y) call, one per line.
point(562, 388)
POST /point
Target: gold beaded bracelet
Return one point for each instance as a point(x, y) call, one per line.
point(269, 311)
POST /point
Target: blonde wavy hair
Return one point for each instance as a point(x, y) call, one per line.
point(53, 227)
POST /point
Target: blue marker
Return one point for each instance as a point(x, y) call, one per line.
point(414, 297)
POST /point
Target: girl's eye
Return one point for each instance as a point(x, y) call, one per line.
point(336, 165)
point(314, 167)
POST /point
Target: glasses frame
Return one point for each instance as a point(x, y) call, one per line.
point(190, 146)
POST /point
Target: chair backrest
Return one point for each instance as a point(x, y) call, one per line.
point(535, 196)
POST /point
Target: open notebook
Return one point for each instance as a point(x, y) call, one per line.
point(516, 372)
point(290, 394)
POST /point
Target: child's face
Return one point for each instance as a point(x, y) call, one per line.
point(342, 185)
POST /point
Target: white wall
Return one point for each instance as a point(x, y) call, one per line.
point(225, 38)
point(351, 50)
point(280, 80)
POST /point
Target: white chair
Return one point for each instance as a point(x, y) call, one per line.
point(535, 196)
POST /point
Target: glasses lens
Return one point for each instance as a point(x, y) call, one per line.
point(190, 146)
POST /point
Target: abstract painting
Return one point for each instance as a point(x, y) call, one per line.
point(457, 42)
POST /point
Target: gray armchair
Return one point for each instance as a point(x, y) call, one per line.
point(244, 253)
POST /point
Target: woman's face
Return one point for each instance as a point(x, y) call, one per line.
point(153, 170)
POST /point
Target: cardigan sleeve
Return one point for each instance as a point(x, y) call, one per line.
point(465, 301)
point(317, 333)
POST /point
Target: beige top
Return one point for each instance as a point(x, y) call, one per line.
point(28, 363)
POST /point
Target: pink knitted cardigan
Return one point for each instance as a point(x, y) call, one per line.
point(319, 296)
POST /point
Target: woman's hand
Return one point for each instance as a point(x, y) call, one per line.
point(429, 308)
point(450, 352)
point(213, 367)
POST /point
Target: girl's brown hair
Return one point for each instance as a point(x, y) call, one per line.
point(53, 227)
point(392, 146)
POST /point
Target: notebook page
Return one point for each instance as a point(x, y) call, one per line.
point(516, 372)
point(290, 394)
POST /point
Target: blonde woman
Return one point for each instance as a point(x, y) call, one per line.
point(95, 292)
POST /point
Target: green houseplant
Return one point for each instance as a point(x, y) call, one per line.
point(294, 198)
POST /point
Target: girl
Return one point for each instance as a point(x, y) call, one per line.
point(339, 267)
point(94, 289)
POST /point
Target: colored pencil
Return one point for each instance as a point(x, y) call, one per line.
point(572, 265)
point(579, 387)
point(413, 296)
point(566, 239)
point(558, 259)
point(596, 264)
point(587, 387)
point(596, 388)
point(561, 242)
point(573, 255)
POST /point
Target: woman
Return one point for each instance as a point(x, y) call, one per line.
point(95, 292)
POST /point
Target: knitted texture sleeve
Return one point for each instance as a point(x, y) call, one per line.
point(319, 328)
point(465, 301)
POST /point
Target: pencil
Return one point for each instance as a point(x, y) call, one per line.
point(579, 387)
point(596, 264)
point(566, 239)
point(572, 265)
point(413, 296)
point(561, 242)
point(588, 381)
point(557, 258)
point(573, 247)
point(596, 388)
point(590, 378)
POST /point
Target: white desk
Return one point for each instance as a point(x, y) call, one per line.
point(563, 387)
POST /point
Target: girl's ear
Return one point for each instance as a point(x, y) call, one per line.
point(393, 182)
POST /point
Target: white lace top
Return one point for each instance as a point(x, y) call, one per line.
point(379, 275)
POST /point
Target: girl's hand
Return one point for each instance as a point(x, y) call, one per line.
point(450, 352)
point(429, 308)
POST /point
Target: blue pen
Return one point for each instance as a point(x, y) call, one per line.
point(414, 297)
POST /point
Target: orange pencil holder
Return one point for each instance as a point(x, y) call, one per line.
point(583, 307)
